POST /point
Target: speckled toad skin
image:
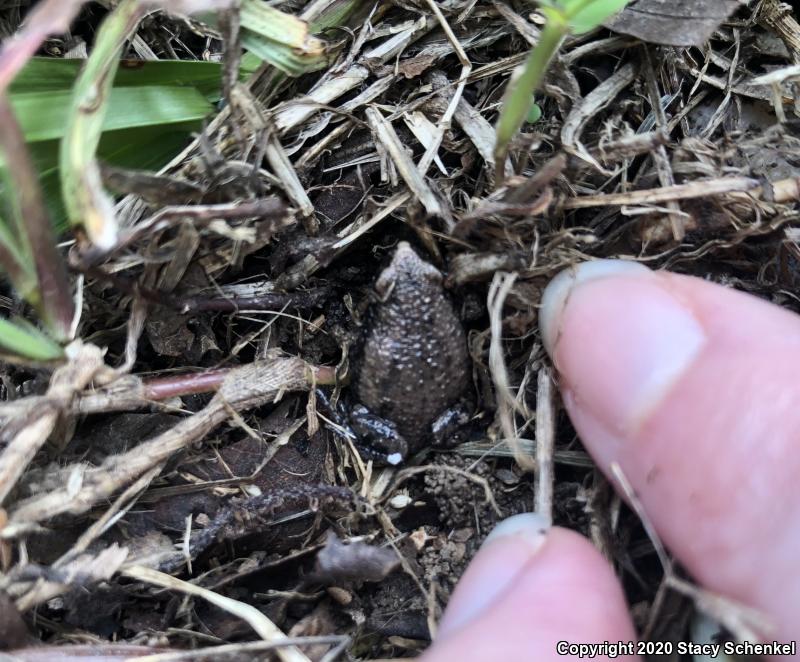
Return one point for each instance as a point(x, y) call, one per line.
point(414, 362)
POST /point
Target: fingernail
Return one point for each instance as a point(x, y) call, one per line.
point(558, 291)
point(528, 527)
point(505, 552)
point(619, 339)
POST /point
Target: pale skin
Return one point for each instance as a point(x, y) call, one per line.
point(694, 391)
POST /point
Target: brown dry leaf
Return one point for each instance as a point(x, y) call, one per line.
point(673, 22)
point(357, 562)
point(416, 66)
point(318, 623)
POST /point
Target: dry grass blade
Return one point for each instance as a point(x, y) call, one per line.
point(466, 70)
point(659, 154)
point(265, 628)
point(192, 6)
point(774, 15)
point(674, 23)
point(745, 623)
point(385, 133)
point(270, 209)
point(390, 206)
point(627, 489)
point(699, 189)
point(244, 388)
point(281, 39)
point(76, 558)
point(294, 112)
point(480, 132)
point(283, 169)
point(132, 392)
point(79, 569)
point(599, 98)
point(86, 361)
point(506, 403)
point(545, 442)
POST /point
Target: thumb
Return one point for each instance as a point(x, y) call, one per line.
point(692, 389)
point(528, 589)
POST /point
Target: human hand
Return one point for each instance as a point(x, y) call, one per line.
point(693, 390)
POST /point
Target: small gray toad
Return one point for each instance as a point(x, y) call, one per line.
point(413, 368)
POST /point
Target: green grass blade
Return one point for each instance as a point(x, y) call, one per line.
point(275, 25)
point(585, 15)
point(518, 97)
point(43, 118)
point(153, 109)
point(84, 199)
point(24, 341)
point(143, 148)
point(43, 74)
point(35, 239)
point(16, 262)
point(279, 56)
point(335, 14)
point(281, 39)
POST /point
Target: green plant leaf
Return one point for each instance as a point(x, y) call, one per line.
point(585, 15)
point(281, 39)
point(518, 97)
point(15, 260)
point(281, 57)
point(137, 134)
point(534, 114)
point(43, 118)
point(23, 340)
point(33, 236)
point(141, 148)
point(335, 14)
point(53, 74)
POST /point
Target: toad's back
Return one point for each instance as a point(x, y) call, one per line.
point(414, 361)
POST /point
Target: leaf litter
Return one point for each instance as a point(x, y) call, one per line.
point(188, 486)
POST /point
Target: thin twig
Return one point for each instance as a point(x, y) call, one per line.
point(545, 440)
point(697, 189)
